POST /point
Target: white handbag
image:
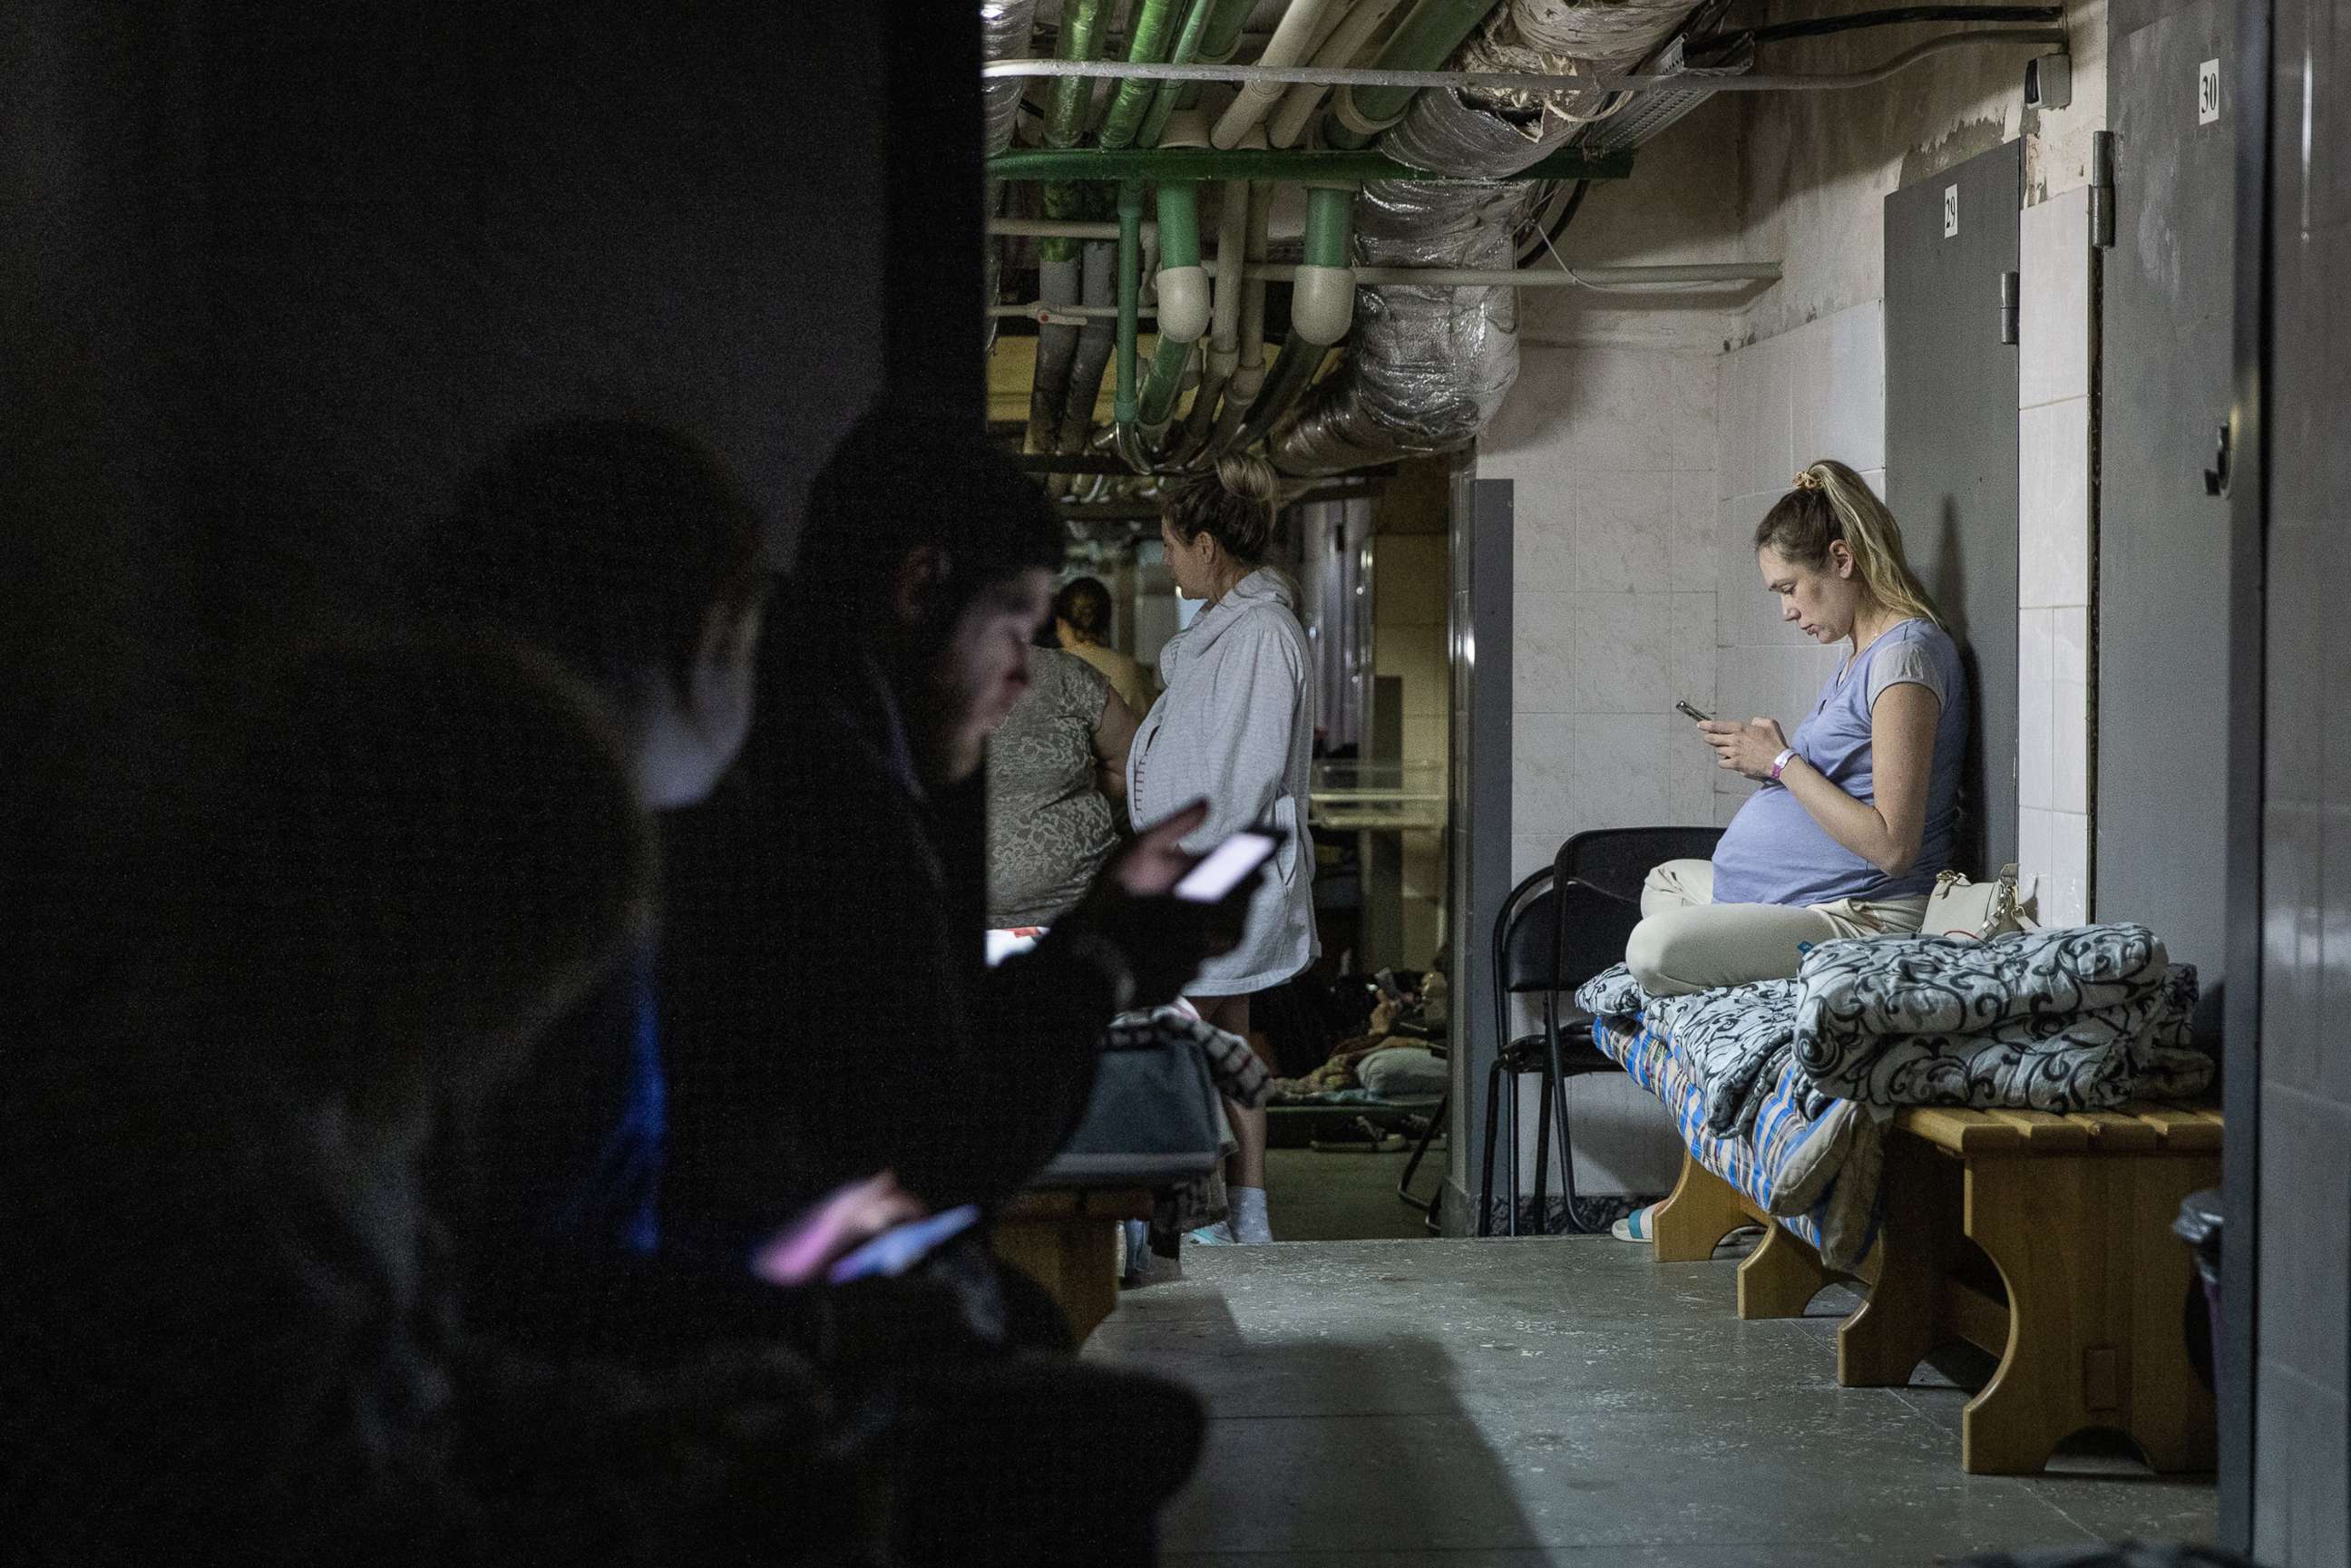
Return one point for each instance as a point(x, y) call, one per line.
point(1958, 907)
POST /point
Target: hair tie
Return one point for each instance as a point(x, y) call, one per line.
point(1806, 480)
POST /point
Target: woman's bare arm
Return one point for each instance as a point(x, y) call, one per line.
point(1886, 832)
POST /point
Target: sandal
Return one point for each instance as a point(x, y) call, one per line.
point(1634, 1226)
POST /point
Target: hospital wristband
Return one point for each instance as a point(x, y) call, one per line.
point(1782, 761)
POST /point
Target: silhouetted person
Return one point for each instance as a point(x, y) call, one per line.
point(229, 1331)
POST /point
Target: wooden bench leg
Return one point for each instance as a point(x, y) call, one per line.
point(1882, 1343)
point(1068, 1243)
point(1703, 1210)
point(1780, 1276)
point(2047, 1223)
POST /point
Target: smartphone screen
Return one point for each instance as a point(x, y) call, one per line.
point(899, 1248)
point(1225, 865)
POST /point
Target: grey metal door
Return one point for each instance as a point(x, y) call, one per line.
point(2166, 366)
point(1951, 450)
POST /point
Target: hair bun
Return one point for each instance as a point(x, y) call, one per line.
point(1807, 479)
point(1251, 477)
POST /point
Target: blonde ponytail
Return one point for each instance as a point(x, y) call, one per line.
point(1830, 502)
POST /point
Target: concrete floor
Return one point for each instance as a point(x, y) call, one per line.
point(1567, 1400)
point(1350, 1197)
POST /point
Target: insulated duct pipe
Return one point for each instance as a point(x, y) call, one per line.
point(1294, 38)
point(1058, 270)
point(1096, 340)
point(1424, 40)
point(1130, 303)
point(1005, 26)
point(1155, 20)
point(1346, 41)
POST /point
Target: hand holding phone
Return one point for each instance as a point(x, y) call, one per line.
point(1222, 869)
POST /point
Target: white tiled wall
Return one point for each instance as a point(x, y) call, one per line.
point(2053, 739)
point(1816, 391)
point(1614, 449)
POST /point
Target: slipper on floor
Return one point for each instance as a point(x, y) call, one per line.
point(1633, 1227)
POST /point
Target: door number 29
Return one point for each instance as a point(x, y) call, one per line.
point(2208, 92)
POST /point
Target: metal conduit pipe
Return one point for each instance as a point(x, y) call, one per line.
point(1155, 24)
point(1220, 39)
point(1322, 306)
point(1346, 41)
point(1379, 78)
point(1292, 165)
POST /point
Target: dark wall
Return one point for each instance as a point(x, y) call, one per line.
point(2300, 931)
point(271, 274)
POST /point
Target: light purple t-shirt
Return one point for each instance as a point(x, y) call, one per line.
point(1773, 853)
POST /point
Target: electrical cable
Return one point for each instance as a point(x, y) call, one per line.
point(1819, 26)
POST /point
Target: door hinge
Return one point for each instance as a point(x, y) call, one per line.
point(2008, 302)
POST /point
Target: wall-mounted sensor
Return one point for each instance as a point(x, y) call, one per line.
point(2049, 82)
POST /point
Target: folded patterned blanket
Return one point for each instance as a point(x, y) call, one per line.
point(2072, 1019)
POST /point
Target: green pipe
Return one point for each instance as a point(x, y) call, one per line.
point(1188, 48)
point(1164, 381)
point(1065, 112)
point(1080, 39)
point(1179, 330)
point(1179, 224)
point(1330, 212)
point(1220, 41)
point(1280, 164)
point(1130, 295)
point(1154, 20)
point(1423, 41)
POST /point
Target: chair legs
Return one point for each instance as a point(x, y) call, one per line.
point(1543, 1156)
point(1555, 1099)
point(1420, 1151)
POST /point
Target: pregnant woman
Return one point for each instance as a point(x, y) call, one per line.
point(1859, 808)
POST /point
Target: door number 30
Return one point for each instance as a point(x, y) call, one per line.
point(2208, 92)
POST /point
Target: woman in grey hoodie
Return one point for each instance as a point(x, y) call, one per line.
point(1236, 727)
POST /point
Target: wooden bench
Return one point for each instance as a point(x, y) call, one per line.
point(1066, 1238)
point(2043, 1239)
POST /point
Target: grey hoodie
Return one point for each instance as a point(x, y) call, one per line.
point(1235, 726)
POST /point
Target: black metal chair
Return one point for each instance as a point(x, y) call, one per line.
point(1559, 928)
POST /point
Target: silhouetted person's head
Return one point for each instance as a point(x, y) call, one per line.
point(1081, 613)
point(926, 548)
point(413, 856)
point(631, 555)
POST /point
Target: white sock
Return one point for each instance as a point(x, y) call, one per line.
point(1249, 1223)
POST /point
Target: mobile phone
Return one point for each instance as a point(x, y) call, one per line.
point(901, 1247)
point(1691, 713)
point(1226, 865)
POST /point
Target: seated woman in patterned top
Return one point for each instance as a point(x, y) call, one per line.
point(1055, 767)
